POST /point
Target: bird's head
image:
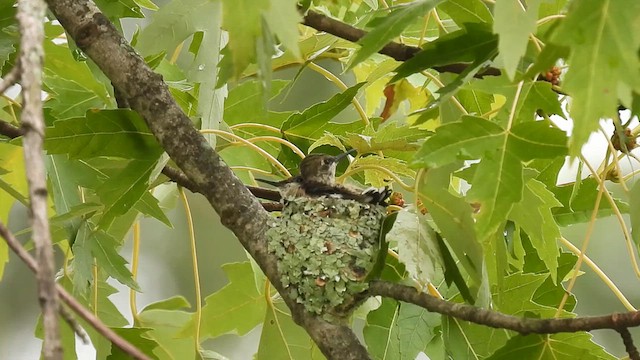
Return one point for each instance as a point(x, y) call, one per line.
point(321, 167)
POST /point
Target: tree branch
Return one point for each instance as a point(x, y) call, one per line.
point(495, 319)
point(394, 50)
point(239, 210)
point(30, 17)
point(87, 315)
point(9, 130)
point(12, 77)
point(628, 343)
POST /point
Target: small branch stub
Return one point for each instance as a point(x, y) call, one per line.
point(326, 247)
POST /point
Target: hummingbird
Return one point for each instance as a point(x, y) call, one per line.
point(317, 178)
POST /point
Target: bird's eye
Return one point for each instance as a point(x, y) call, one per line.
point(327, 161)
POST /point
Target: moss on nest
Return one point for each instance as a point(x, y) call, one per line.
point(326, 248)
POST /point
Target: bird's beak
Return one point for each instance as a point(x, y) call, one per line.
point(337, 158)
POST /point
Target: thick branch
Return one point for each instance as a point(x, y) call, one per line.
point(30, 17)
point(239, 210)
point(84, 313)
point(394, 50)
point(495, 319)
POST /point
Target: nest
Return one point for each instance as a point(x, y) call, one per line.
point(327, 248)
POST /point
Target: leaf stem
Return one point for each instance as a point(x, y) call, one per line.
point(258, 149)
point(135, 256)
point(601, 274)
point(194, 266)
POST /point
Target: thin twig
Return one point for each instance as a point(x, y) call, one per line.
point(74, 325)
point(12, 77)
point(395, 50)
point(9, 130)
point(30, 17)
point(70, 301)
point(627, 340)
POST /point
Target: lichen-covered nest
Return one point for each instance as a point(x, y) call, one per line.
point(326, 249)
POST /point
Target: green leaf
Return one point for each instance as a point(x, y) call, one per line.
point(389, 27)
point(464, 340)
point(467, 139)
point(174, 23)
point(236, 308)
point(243, 20)
point(172, 303)
point(533, 214)
point(467, 11)
point(515, 294)
point(283, 18)
point(377, 178)
point(327, 139)
point(122, 191)
point(502, 153)
point(120, 133)
point(165, 325)
point(137, 337)
point(452, 215)
point(389, 137)
point(310, 124)
point(417, 246)
point(496, 197)
point(207, 57)
point(467, 45)
point(552, 347)
point(514, 23)
point(103, 247)
point(115, 10)
point(407, 329)
point(69, 73)
point(602, 70)
point(580, 208)
point(8, 31)
point(537, 140)
point(245, 102)
point(281, 338)
point(149, 206)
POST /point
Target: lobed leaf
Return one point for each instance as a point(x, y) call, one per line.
point(236, 308)
point(602, 70)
